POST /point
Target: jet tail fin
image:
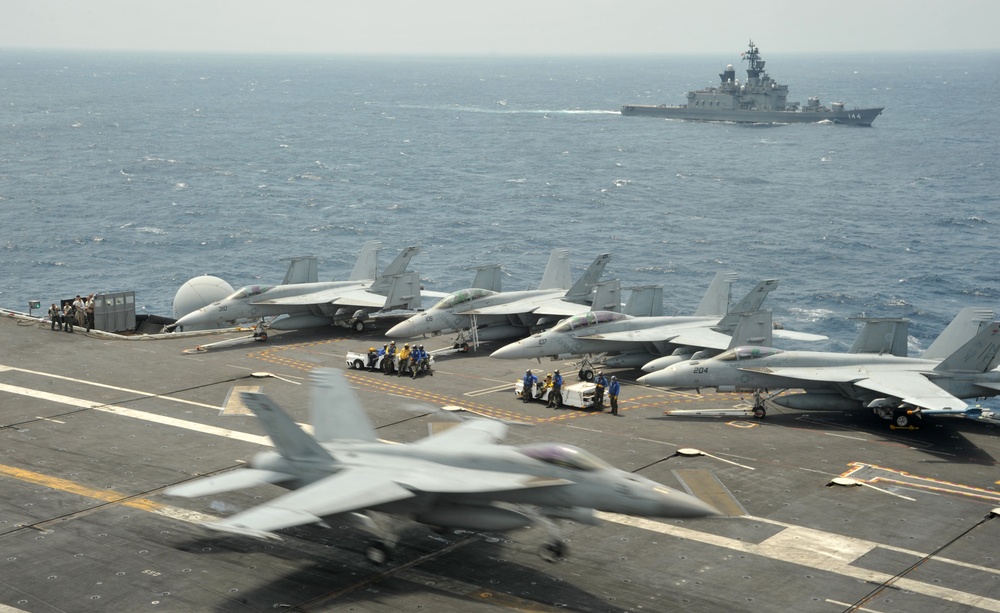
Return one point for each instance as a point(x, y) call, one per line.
point(585, 284)
point(607, 296)
point(715, 302)
point(336, 412)
point(556, 275)
point(488, 277)
point(367, 265)
point(749, 304)
point(965, 326)
point(396, 267)
point(403, 292)
point(980, 354)
point(289, 439)
point(301, 270)
point(645, 301)
point(755, 329)
point(883, 336)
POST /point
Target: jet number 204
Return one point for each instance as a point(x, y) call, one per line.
point(699, 370)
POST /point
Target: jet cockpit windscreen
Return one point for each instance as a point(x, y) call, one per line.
point(248, 291)
point(462, 296)
point(564, 456)
point(589, 318)
point(747, 353)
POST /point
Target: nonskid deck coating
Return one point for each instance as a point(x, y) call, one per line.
point(89, 443)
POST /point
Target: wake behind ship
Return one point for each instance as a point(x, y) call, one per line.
point(759, 100)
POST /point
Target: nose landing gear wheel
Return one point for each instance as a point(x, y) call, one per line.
point(553, 550)
point(378, 553)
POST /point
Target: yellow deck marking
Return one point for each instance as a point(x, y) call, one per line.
point(104, 495)
point(869, 473)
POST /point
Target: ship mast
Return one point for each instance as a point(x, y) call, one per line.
point(755, 65)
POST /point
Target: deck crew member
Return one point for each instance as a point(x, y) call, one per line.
point(602, 383)
point(613, 389)
point(403, 360)
point(68, 316)
point(529, 385)
point(55, 316)
point(88, 308)
point(555, 396)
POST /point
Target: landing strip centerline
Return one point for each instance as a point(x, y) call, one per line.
point(793, 544)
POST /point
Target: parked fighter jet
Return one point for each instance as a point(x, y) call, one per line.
point(484, 315)
point(310, 303)
point(637, 340)
point(459, 478)
point(895, 388)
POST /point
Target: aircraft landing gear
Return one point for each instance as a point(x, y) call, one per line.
point(259, 332)
point(358, 325)
point(553, 550)
point(378, 552)
point(759, 412)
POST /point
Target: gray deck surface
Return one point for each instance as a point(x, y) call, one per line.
point(93, 429)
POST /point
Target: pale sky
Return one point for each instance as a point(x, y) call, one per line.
point(504, 27)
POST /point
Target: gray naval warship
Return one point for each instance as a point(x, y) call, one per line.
point(759, 100)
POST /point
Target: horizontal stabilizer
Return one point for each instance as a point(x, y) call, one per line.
point(238, 479)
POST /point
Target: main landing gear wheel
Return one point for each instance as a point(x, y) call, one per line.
point(759, 412)
point(586, 374)
point(901, 420)
point(359, 326)
point(260, 336)
point(553, 550)
point(462, 347)
point(378, 553)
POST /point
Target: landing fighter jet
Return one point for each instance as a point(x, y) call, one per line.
point(896, 388)
point(637, 340)
point(486, 315)
point(459, 478)
point(309, 303)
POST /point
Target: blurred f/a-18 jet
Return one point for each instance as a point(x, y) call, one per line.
point(621, 340)
point(309, 303)
point(895, 387)
point(486, 315)
point(459, 478)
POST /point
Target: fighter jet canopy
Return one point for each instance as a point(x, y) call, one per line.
point(247, 291)
point(565, 456)
point(462, 296)
point(747, 353)
point(589, 318)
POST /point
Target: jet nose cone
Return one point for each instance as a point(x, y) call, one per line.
point(401, 330)
point(660, 378)
point(510, 352)
point(679, 504)
point(194, 318)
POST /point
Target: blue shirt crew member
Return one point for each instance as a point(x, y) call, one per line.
point(555, 396)
point(613, 390)
point(602, 383)
point(529, 384)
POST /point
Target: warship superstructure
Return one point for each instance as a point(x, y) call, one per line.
point(760, 99)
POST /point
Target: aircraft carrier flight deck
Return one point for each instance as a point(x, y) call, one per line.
point(821, 512)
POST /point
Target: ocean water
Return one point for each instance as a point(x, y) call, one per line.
point(138, 172)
